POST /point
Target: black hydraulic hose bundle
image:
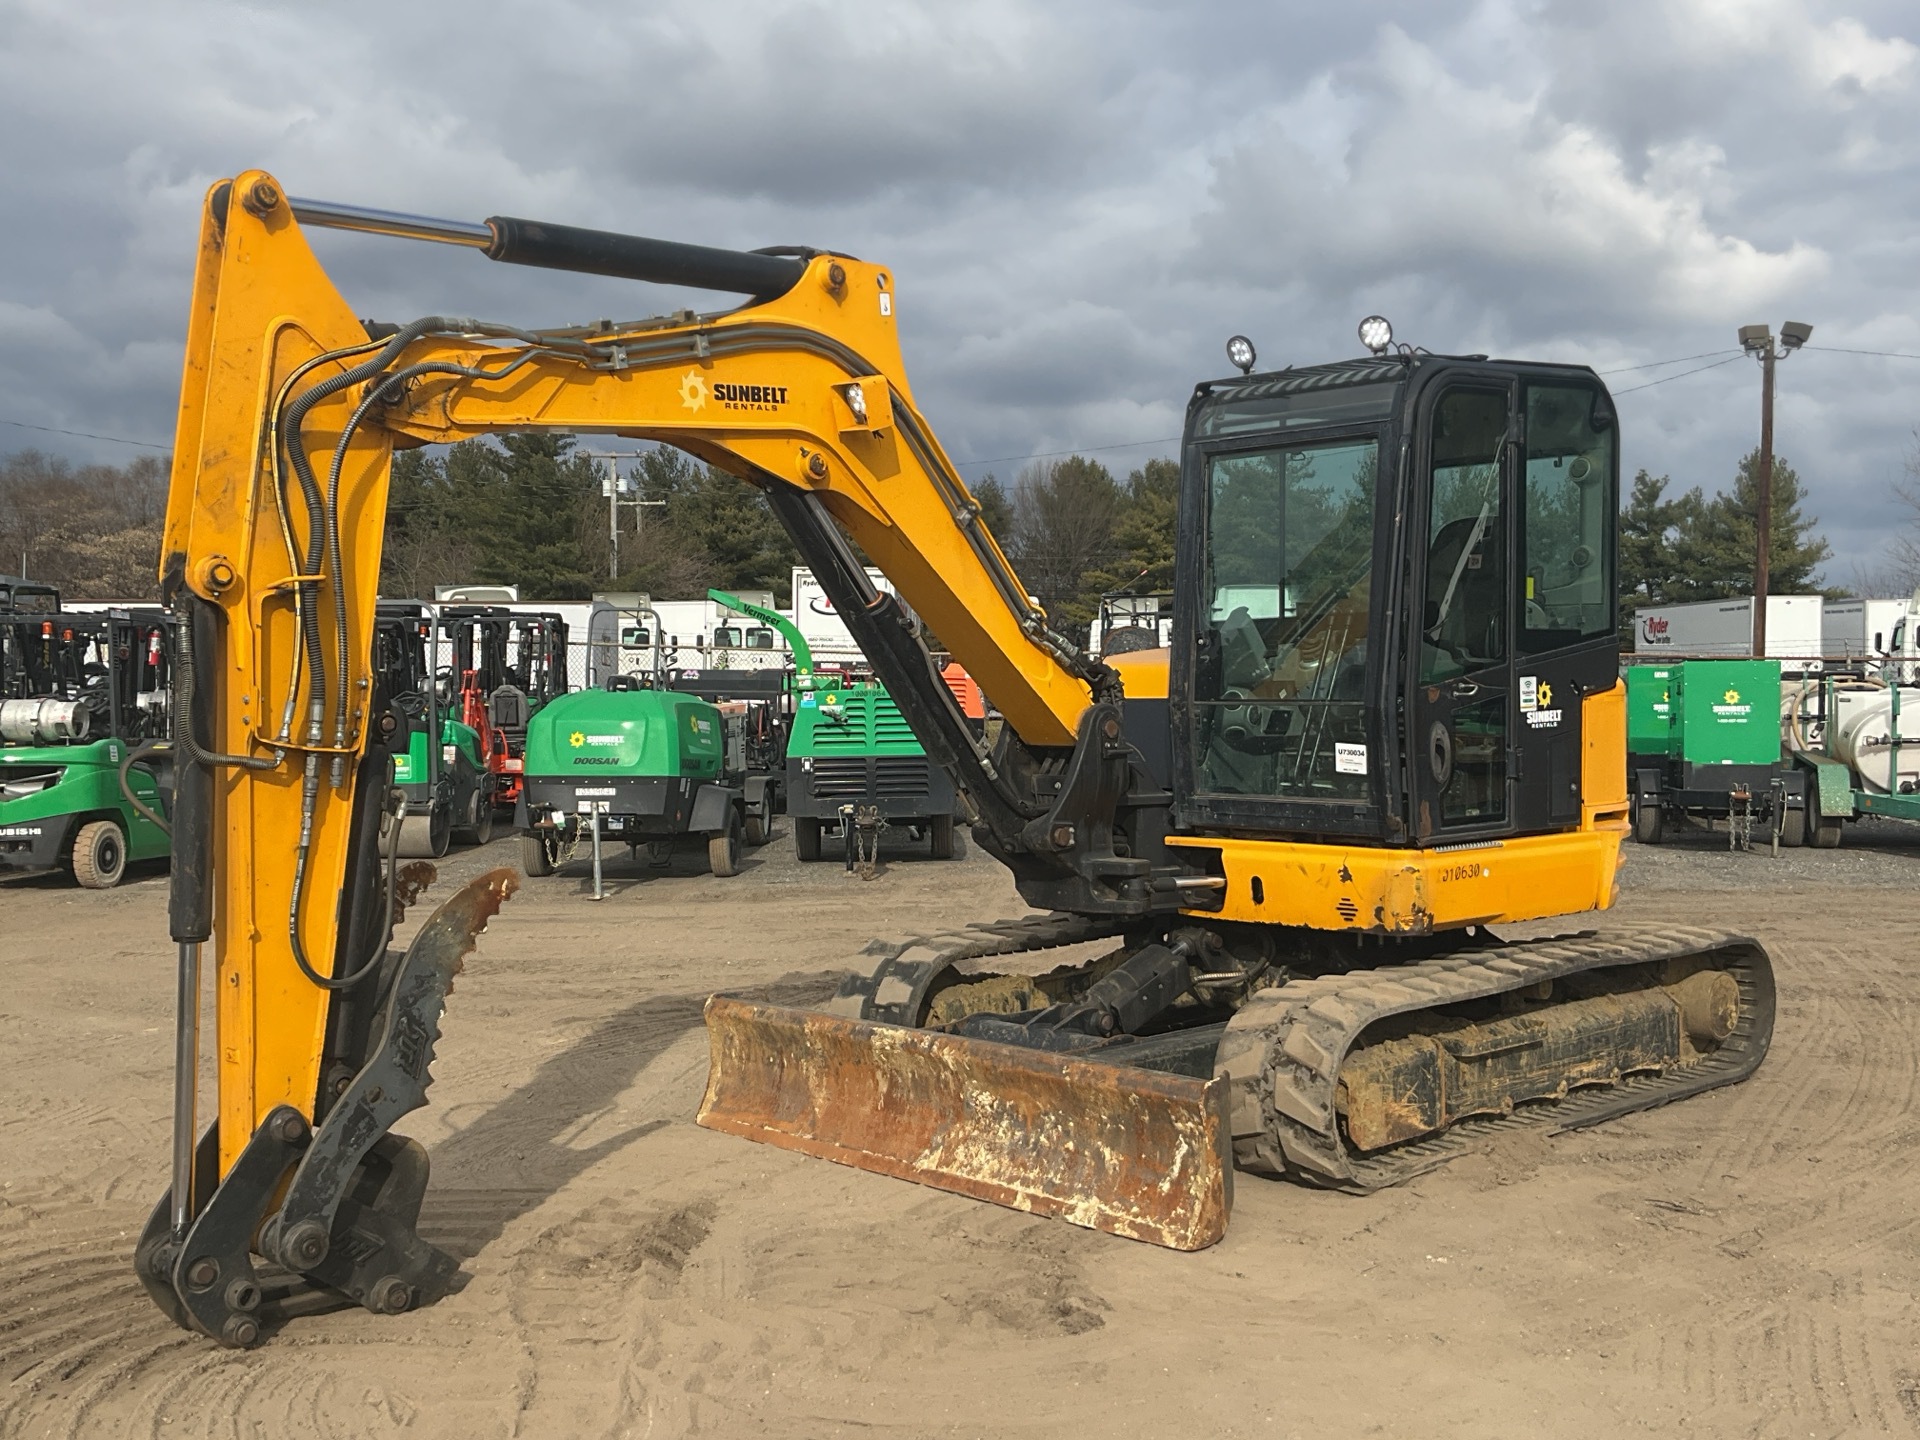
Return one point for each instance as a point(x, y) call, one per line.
point(323, 535)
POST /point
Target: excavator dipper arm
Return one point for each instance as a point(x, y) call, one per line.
point(290, 411)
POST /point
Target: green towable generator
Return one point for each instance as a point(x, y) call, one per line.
point(637, 767)
point(1703, 740)
point(78, 694)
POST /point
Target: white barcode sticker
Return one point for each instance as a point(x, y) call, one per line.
point(1350, 759)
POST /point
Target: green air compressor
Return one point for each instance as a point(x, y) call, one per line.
point(635, 767)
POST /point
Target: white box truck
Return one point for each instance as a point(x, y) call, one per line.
point(1725, 628)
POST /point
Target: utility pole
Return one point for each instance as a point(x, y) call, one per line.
point(612, 487)
point(1757, 341)
point(613, 490)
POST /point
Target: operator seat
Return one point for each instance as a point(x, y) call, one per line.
point(508, 709)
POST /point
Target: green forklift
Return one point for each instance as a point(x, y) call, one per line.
point(84, 707)
point(439, 766)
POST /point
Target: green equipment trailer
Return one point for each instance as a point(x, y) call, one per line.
point(82, 697)
point(854, 765)
point(637, 767)
point(1703, 741)
point(438, 765)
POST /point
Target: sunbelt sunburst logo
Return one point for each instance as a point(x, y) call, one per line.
point(1731, 706)
point(577, 739)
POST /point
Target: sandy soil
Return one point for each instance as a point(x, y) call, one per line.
point(1743, 1264)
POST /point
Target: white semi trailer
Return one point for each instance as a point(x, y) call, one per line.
point(825, 632)
point(1724, 628)
point(1876, 631)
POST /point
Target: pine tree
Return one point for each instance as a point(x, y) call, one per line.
point(1649, 526)
point(1064, 517)
point(1715, 541)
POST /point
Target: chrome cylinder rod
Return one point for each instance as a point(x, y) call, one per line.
point(598, 893)
point(186, 1081)
point(333, 216)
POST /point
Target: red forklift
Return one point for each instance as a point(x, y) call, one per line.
point(503, 666)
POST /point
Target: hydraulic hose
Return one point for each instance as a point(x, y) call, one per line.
point(320, 523)
point(384, 389)
point(134, 756)
point(183, 702)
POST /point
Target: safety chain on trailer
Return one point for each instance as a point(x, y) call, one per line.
point(862, 825)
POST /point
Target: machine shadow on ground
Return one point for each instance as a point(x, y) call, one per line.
point(523, 1135)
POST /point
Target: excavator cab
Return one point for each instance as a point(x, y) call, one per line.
point(1396, 588)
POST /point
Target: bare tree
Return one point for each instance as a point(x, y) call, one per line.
point(1064, 516)
point(93, 530)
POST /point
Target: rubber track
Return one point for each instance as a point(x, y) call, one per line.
point(1285, 1047)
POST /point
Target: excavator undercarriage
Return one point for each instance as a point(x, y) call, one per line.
point(1120, 1095)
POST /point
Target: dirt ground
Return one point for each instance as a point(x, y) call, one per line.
point(1743, 1264)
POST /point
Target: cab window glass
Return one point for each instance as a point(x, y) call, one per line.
point(1568, 518)
point(1464, 624)
point(1281, 687)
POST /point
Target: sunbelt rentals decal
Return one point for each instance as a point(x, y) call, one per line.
point(696, 390)
point(1732, 709)
point(1536, 703)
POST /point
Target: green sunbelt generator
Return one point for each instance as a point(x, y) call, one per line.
point(853, 762)
point(1703, 740)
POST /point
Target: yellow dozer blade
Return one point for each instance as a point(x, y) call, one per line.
point(1138, 1153)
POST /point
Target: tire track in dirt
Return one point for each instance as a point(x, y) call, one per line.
point(77, 1325)
point(1805, 1339)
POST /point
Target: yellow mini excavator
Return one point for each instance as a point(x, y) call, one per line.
point(1268, 866)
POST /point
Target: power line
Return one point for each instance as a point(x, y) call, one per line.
point(1842, 350)
point(84, 435)
point(1656, 364)
point(1683, 374)
point(1081, 450)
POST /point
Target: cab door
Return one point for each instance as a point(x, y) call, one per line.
point(1463, 709)
point(1566, 495)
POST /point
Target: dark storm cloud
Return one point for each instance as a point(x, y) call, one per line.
point(1079, 202)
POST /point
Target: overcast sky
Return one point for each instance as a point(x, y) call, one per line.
point(1080, 201)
